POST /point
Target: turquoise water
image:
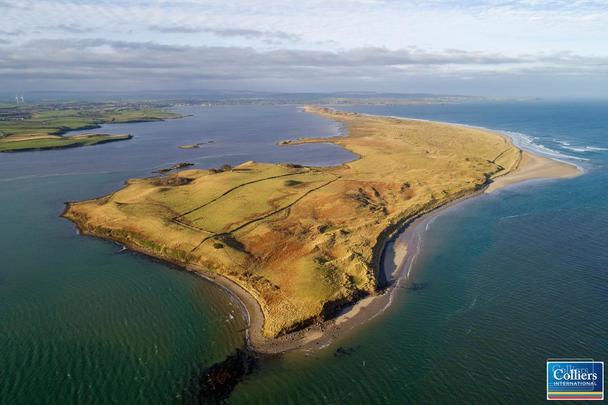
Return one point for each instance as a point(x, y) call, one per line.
point(83, 322)
point(513, 278)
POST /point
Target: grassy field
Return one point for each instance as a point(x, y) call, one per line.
point(304, 241)
point(40, 126)
point(57, 142)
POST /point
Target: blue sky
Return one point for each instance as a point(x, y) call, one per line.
point(485, 47)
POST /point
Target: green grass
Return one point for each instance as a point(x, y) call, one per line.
point(58, 120)
point(40, 126)
point(58, 142)
point(252, 201)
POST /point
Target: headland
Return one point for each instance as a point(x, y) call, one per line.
point(300, 247)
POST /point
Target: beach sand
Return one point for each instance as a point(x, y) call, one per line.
point(533, 167)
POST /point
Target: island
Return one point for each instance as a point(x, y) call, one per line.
point(195, 145)
point(42, 126)
point(300, 245)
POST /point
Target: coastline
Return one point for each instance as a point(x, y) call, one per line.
point(407, 238)
point(534, 167)
point(407, 247)
point(59, 139)
point(319, 335)
point(81, 141)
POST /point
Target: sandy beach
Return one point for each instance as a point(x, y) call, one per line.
point(534, 167)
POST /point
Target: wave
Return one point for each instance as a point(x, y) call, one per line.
point(428, 224)
point(581, 149)
point(529, 143)
point(513, 216)
point(521, 140)
point(584, 149)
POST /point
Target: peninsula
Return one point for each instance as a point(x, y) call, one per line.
point(299, 244)
point(29, 127)
point(44, 142)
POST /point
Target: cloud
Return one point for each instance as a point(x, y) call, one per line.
point(306, 44)
point(175, 29)
point(71, 28)
point(117, 65)
point(249, 33)
point(7, 4)
point(536, 5)
point(227, 32)
point(11, 33)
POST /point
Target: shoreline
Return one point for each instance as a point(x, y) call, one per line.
point(529, 167)
point(110, 138)
point(407, 245)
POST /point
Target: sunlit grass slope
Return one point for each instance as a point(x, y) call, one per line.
point(304, 241)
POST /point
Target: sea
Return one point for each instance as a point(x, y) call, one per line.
point(506, 280)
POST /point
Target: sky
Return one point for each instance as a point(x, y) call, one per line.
point(552, 48)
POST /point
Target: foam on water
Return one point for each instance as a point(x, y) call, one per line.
point(522, 141)
point(527, 142)
point(580, 149)
point(584, 149)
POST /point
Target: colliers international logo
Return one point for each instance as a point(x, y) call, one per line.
point(575, 380)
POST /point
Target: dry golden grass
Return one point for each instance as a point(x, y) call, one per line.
point(303, 241)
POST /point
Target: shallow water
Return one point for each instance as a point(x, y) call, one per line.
point(513, 278)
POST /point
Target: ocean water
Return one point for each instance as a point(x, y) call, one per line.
point(511, 279)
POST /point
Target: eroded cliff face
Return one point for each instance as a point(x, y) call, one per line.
point(303, 241)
